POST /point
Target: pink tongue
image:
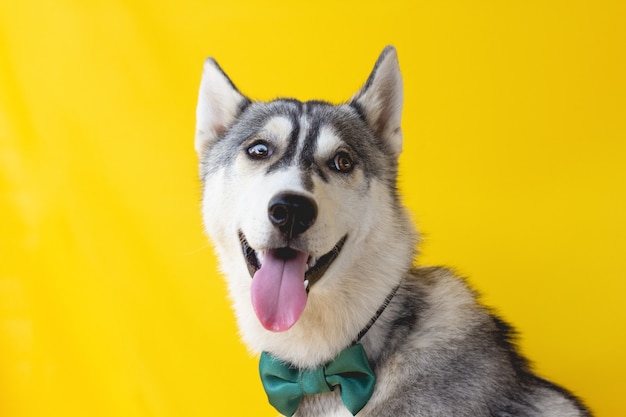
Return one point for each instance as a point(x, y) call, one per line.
point(278, 294)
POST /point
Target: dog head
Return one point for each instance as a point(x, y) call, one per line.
point(301, 203)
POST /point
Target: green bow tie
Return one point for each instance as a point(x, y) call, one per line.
point(286, 386)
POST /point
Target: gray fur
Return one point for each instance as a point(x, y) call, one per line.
point(345, 119)
point(435, 349)
point(470, 368)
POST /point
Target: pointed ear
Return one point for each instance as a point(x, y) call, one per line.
point(219, 104)
point(380, 100)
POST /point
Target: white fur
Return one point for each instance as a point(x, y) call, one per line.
point(218, 105)
point(350, 285)
point(382, 101)
point(376, 257)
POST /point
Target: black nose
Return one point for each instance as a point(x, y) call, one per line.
point(293, 214)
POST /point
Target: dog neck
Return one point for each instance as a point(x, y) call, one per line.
point(365, 329)
point(380, 311)
point(313, 343)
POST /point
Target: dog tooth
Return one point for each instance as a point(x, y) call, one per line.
point(306, 284)
point(259, 257)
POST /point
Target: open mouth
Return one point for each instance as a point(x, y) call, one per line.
point(315, 267)
point(282, 278)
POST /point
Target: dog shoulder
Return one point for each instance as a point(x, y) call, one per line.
point(449, 306)
point(443, 343)
point(434, 309)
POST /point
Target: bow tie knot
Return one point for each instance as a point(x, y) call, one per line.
point(286, 385)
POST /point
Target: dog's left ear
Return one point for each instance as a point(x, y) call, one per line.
point(219, 104)
point(380, 100)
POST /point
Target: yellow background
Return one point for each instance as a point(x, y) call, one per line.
point(514, 168)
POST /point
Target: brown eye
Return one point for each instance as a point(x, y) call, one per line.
point(259, 150)
point(342, 162)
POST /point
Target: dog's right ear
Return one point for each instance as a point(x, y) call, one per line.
point(219, 104)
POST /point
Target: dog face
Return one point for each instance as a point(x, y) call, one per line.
point(295, 192)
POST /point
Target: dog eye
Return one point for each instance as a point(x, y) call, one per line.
point(259, 150)
point(342, 162)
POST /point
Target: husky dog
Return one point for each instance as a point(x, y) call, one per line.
point(300, 200)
